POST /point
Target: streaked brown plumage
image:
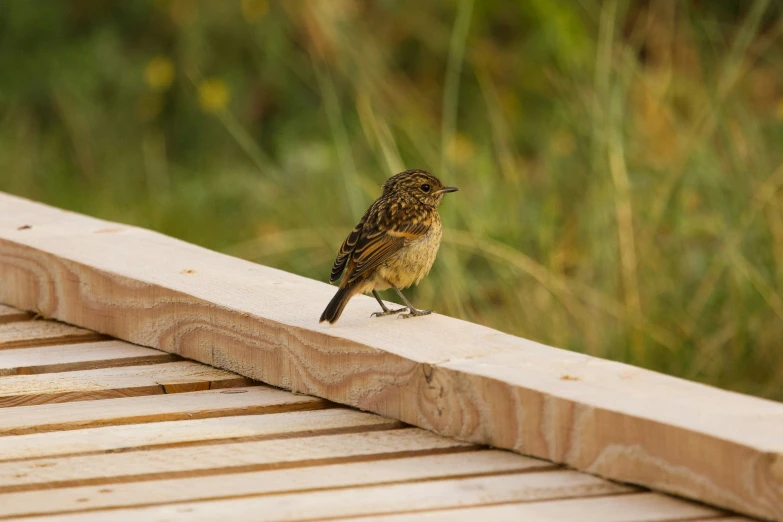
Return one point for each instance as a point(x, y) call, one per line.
point(394, 244)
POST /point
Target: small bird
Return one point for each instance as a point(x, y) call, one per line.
point(394, 244)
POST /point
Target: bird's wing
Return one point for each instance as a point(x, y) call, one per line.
point(376, 243)
point(347, 248)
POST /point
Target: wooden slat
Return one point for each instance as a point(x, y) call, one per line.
point(80, 356)
point(453, 377)
point(640, 507)
point(180, 433)
point(723, 519)
point(8, 314)
point(399, 470)
point(219, 458)
point(344, 503)
point(127, 381)
point(154, 408)
point(38, 333)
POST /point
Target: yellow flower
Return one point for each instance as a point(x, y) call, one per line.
point(254, 10)
point(213, 95)
point(159, 73)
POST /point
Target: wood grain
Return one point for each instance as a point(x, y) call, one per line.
point(640, 507)
point(180, 433)
point(154, 408)
point(456, 378)
point(344, 503)
point(80, 356)
point(219, 458)
point(167, 491)
point(173, 377)
point(722, 519)
point(38, 333)
point(8, 314)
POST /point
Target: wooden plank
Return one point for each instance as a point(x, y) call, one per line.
point(345, 503)
point(639, 507)
point(8, 314)
point(219, 458)
point(80, 356)
point(154, 408)
point(723, 519)
point(387, 471)
point(189, 432)
point(453, 377)
point(173, 377)
point(38, 333)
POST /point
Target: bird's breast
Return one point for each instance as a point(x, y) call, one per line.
point(412, 262)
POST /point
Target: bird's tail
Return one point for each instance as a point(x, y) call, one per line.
point(335, 307)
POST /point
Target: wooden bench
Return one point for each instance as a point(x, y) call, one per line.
point(108, 430)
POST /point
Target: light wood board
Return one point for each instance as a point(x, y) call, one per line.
point(79, 356)
point(456, 378)
point(386, 471)
point(343, 503)
point(723, 519)
point(8, 314)
point(173, 377)
point(184, 432)
point(156, 478)
point(154, 408)
point(640, 507)
point(219, 458)
point(38, 333)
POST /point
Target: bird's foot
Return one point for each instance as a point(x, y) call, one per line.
point(388, 312)
point(415, 313)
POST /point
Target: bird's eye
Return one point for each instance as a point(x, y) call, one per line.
point(425, 188)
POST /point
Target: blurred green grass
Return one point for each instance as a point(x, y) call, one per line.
point(620, 162)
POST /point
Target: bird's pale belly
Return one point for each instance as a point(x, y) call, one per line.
point(411, 263)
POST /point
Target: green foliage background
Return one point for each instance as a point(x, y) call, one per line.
point(620, 162)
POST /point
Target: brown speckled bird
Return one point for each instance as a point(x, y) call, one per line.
point(394, 244)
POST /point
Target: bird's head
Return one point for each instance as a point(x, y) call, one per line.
point(420, 184)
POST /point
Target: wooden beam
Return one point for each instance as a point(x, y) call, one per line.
point(449, 376)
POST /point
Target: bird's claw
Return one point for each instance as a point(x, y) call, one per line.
point(415, 313)
point(388, 312)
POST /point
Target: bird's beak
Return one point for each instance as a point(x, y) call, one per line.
point(447, 189)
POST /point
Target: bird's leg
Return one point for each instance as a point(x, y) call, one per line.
point(414, 312)
point(386, 311)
